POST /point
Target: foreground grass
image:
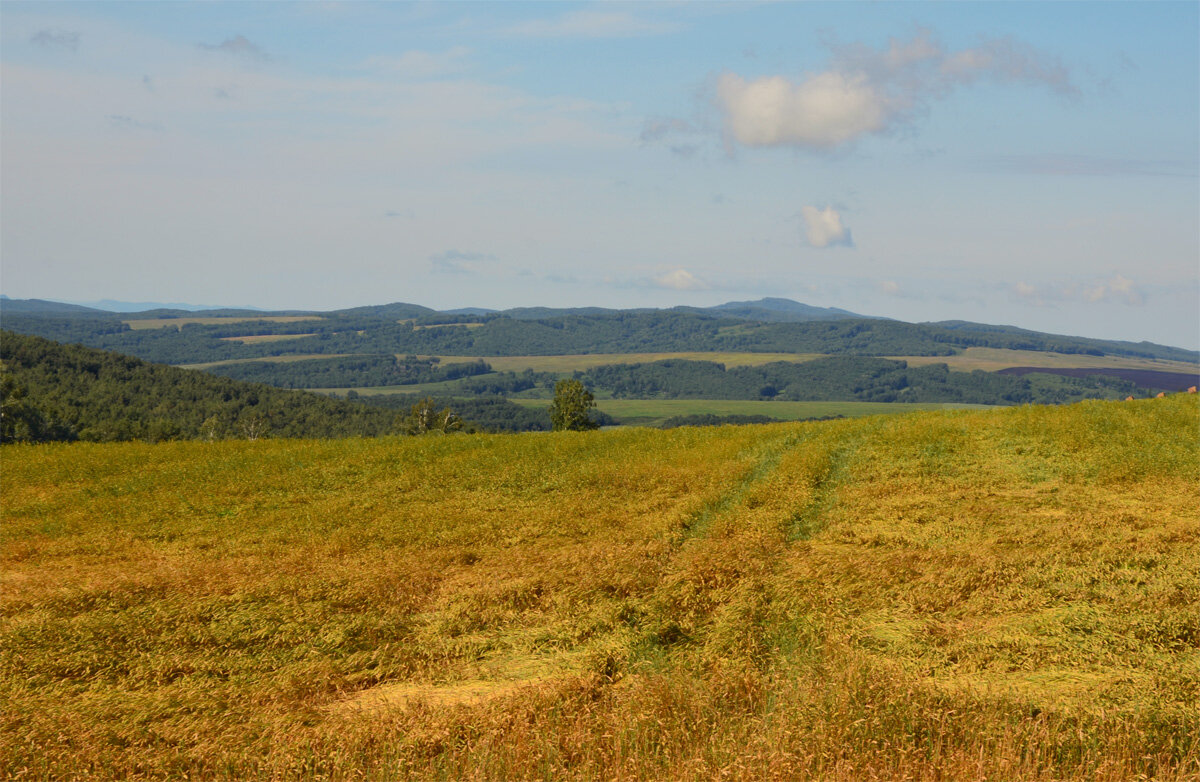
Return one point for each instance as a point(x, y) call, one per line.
point(652, 412)
point(957, 595)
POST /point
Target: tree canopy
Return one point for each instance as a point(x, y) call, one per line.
point(569, 410)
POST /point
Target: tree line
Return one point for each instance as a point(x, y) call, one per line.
point(619, 332)
point(51, 391)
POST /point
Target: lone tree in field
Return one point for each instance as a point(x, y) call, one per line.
point(424, 417)
point(569, 410)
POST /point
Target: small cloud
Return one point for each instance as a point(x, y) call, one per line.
point(867, 91)
point(56, 39)
point(890, 287)
point(456, 262)
point(238, 47)
point(1117, 289)
point(824, 228)
point(681, 280)
point(589, 24)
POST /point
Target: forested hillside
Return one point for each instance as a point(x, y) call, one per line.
point(89, 394)
point(68, 392)
point(379, 330)
point(845, 378)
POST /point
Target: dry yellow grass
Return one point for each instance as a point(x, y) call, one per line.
point(993, 359)
point(1007, 594)
point(256, 338)
point(572, 363)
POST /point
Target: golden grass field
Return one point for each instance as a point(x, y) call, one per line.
point(993, 359)
point(653, 412)
point(1007, 594)
point(138, 324)
point(256, 338)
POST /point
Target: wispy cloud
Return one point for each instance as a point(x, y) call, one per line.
point(126, 122)
point(824, 227)
point(56, 39)
point(1087, 165)
point(238, 46)
point(868, 91)
point(1117, 289)
point(589, 24)
point(681, 280)
point(456, 262)
point(422, 64)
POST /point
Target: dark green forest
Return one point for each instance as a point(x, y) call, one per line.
point(52, 391)
point(366, 331)
point(350, 371)
point(847, 378)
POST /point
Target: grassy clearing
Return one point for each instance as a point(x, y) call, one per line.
point(1005, 594)
point(651, 412)
point(573, 363)
point(138, 324)
point(992, 359)
point(419, 327)
point(256, 338)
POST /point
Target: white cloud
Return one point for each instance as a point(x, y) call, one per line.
point(681, 280)
point(1119, 289)
point(868, 91)
point(589, 24)
point(824, 111)
point(824, 228)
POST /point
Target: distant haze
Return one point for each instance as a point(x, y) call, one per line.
point(1033, 164)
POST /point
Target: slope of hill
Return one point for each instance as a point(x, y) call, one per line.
point(776, 309)
point(43, 307)
point(82, 393)
point(1007, 594)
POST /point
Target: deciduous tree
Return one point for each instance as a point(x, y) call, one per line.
point(569, 410)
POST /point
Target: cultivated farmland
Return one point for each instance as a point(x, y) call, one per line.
point(1008, 594)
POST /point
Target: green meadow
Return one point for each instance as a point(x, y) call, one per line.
point(968, 594)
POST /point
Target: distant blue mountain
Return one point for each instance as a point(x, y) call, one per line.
point(112, 305)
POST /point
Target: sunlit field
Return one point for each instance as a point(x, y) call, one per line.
point(999, 594)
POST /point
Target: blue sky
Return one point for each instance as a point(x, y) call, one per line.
point(1026, 163)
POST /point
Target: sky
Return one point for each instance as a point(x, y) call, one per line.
point(1032, 164)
